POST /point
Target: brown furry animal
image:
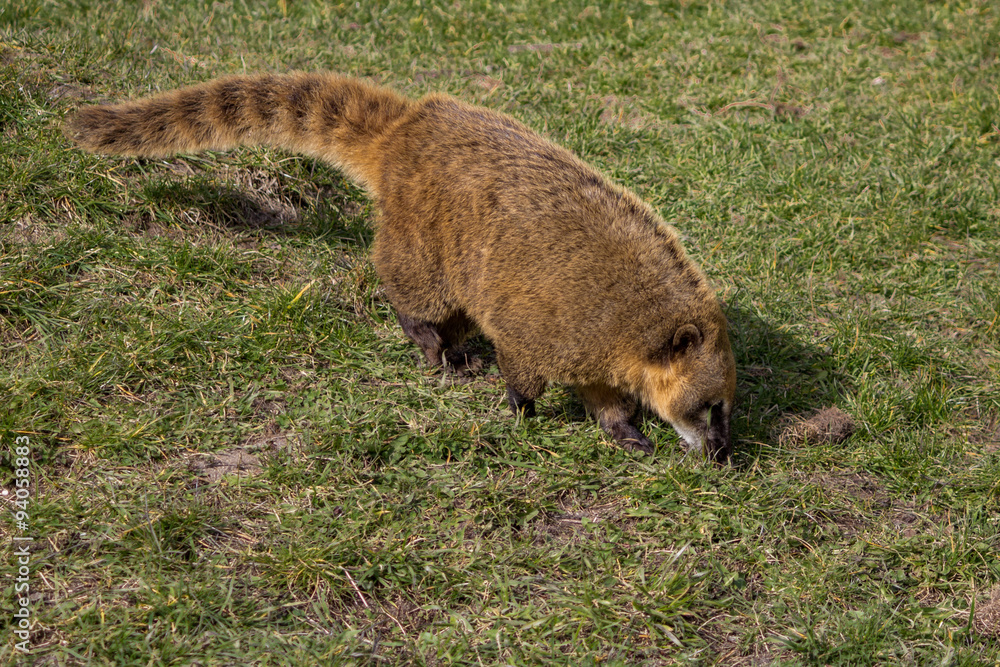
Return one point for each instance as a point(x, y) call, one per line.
point(483, 224)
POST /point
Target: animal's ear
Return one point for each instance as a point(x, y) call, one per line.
point(687, 339)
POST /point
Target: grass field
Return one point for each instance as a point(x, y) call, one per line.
point(236, 457)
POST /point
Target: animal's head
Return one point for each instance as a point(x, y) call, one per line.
point(691, 383)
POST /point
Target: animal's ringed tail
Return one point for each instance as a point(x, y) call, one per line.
point(324, 115)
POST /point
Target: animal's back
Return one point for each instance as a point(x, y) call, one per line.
point(530, 242)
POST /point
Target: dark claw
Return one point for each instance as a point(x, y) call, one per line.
point(519, 403)
point(630, 438)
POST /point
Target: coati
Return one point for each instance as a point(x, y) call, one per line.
point(483, 225)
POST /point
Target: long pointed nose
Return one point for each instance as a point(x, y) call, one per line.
point(718, 445)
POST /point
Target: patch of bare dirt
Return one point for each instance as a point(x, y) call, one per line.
point(566, 526)
point(432, 74)
point(728, 645)
point(70, 92)
point(545, 48)
point(39, 229)
point(986, 616)
point(986, 619)
point(263, 406)
point(854, 484)
point(860, 487)
point(902, 37)
point(930, 597)
point(829, 426)
point(778, 109)
point(238, 461)
point(297, 378)
point(989, 435)
point(272, 441)
point(241, 461)
point(42, 74)
point(266, 192)
point(236, 201)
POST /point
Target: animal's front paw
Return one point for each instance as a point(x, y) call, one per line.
point(640, 444)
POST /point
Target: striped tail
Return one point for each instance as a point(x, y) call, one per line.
point(328, 116)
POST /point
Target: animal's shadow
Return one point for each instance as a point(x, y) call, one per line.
point(326, 208)
point(781, 376)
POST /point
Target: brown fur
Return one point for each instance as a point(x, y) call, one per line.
point(483, 224)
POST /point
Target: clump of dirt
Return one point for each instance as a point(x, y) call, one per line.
point(828, 426)
point(986, 617)
point(986, 620)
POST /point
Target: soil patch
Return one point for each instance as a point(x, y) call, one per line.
point(989, 435)
point(828, 426)
point(568, 526)
point(238, 461)
point(986, 617)
point(241, 461)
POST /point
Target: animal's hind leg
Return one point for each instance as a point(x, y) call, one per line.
point(523, 385)
point(436, 339)
point(614, 412)
point(411, 273)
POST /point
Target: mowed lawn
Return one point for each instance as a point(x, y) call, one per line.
point(235, 456)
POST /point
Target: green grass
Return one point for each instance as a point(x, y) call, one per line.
point(238, 458)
